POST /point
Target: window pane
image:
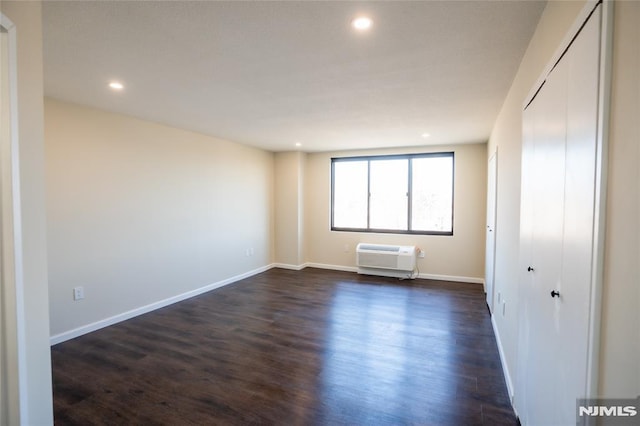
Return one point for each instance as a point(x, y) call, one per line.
point(350, 194)
point(432, 194)
point(389, 186)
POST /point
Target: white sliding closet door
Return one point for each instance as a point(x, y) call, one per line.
point(579, 213)
point(542, 267)
point(557, 223)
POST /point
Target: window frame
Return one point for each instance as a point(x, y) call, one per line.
point(408, 157)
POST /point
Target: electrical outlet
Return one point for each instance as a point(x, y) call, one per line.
point(421, 253)
point(78, 293)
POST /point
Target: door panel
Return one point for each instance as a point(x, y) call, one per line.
point(490, 248)
point(547, 193)
point(575, 289)
point(525, 382)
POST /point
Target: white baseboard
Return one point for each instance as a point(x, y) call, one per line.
point(472, 280)
point(76, 332)
point(503, 360)
point(332, 267)
point(454, 278)
point(289, 266)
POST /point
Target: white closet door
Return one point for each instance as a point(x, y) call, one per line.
point(573, 305)
point(542, 268)
point(525, 382)
point(558, 187)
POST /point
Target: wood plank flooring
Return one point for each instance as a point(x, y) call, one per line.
point(311, 347)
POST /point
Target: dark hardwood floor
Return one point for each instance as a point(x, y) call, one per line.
point(313, 347)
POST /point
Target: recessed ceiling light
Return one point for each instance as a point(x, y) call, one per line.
point(425, 135)
point(115, 85)
point(362, 23)
point(298, 144)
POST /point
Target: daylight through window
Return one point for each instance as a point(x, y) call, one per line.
point(399, 194)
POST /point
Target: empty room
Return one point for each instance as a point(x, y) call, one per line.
point(320, 212)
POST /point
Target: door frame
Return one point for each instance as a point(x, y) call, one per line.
point(604, 92)
point(491, 286)
point(602, 148)
point(13, 374)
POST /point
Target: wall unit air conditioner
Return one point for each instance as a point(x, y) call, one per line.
point(386, 260)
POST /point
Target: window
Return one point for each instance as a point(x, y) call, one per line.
point(398, 194)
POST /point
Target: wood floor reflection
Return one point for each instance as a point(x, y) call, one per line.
point(311, 347)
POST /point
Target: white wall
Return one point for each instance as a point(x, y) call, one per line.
point(460, 256)
point(620, 349)
point(35, 373)
point(554, 23)
point(140, 212)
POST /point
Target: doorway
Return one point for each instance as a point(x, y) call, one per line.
point(490, 250)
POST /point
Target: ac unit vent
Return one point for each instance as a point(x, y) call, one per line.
point(379, 247)
point(386, 260)
point(378, 260)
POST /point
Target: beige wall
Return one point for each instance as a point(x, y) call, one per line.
point(620, 341)
point(554, 24)
point(460, 256)
point(289, 209)
point(35, 370)
point(139, 212)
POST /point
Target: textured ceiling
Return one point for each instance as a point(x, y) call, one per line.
point(270, 74)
